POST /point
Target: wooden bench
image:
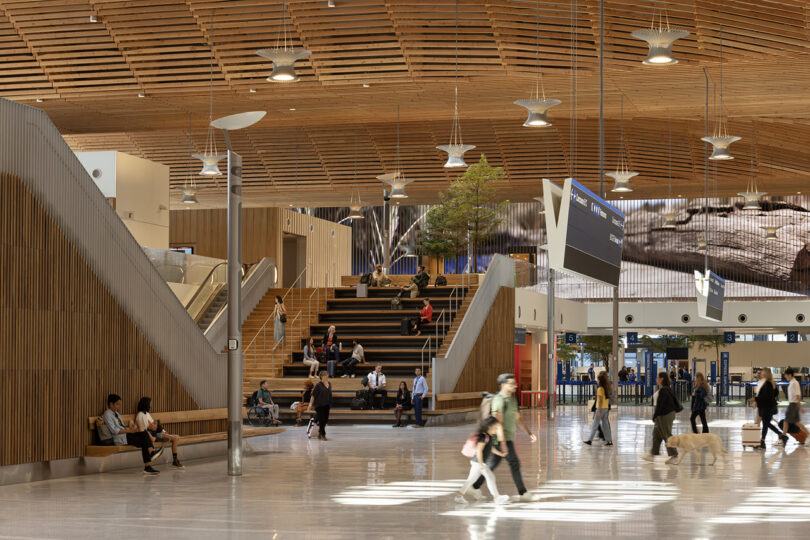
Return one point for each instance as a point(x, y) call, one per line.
point(177, 417)
point(457, 399)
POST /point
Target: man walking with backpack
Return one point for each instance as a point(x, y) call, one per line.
point(504, 407)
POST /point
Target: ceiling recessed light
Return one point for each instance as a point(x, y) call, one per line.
point(141, 95)
point(330, 3)
point(292, 108)
point(798, 193)
point(93, 18)
point(40, 100)
point(252, 90)
point(366, 85)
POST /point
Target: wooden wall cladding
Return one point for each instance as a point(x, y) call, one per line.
point(328, 244)
point(494, 351)
point(65, 342)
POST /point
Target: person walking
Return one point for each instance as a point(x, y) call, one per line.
point(601, 415)
point(767, 406)
point(504, 407)
point(487, 439)
point(666, 407)
point(321, 402)
point(701, 397)
point(420, 390)
point(279, 318)
point(310, 359)
point(403, 402)
point(794, 410)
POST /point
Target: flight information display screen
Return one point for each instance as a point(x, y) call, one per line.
point(595, 232)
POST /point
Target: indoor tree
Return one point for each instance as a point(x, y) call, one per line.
point(710, 341)
point(598, 347)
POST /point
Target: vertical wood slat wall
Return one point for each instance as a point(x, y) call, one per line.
point(329, 245)
point(494, 350)
point(65, 341)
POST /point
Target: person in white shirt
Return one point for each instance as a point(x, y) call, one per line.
point(376, 386)
point(358, 355)
point(420, 390)
point(144, 422)
point(795, 408)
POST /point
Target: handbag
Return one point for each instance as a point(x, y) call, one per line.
point(470, 448)
point(283, 318)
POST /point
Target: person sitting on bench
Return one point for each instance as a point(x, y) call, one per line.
point(121, 434)
point(358, 355)
point(376, 386)
point(265, 401)
point(379, 278)
point(145, 422)
point(418, 282)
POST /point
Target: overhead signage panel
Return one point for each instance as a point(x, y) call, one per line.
point(585, 232)
point(711, 290)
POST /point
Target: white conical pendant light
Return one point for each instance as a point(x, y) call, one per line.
point(720, 140)
point(622, 175)
point(660, 39)
point(283, 55)
point(210, 157)
point(770, 231)
point(670, 220)
point(542, 204)
point(537, 105)
point(455, 148)
point(751, 195)
point(396, 179)
point(189, 188)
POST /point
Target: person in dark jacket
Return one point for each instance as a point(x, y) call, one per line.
point(330, 343)
point(767, 406)
point(418, 283)
point(702, 391)
point(321, 401)
point(666, 407)
point(403, 402)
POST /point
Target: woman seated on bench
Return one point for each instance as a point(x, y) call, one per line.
point(144, 422)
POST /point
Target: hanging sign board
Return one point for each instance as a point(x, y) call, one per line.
point(570, 338)
point(520, 336)
point(585, 233)
point(724, 375)
point(649, 377)
point(793, 336)
point(632, 338)
point(710, 294)
point(729, 337)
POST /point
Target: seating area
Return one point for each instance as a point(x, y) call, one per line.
point(373, 322)
point(174, 419)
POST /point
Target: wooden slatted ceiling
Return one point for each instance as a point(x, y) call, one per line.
point(89, 75)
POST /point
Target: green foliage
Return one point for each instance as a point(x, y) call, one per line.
point(467, 213)
point(599, 347)
point(662, 343)
point(710, 341)
point(566, 352)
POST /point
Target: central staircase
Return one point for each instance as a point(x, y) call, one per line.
point(370, 320)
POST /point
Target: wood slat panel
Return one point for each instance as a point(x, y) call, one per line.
point(66, 343)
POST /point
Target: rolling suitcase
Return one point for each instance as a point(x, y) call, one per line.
point(331, 367)
point(794, 431)
point(751, 435)
point(405, 327)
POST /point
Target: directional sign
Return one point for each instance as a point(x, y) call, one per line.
point(570, 337)
point(729, 337)
point(632, 338)
point(724, 374)
point(793, 336)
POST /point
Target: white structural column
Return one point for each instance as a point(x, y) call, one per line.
point(551, 365)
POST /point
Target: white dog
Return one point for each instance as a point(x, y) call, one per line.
point(690, 442)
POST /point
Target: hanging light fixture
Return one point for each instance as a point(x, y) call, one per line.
point(660, 39)
point(283, 55)
point(537, 104)
point(669, 215)
point(189, 188)
point(721, 140)
point(751, 193)
point(355, 205)
point(210, 157)
point(396, 179)
point(455, 148)
point(770, 231)
point(541, 202)
point(622, 175)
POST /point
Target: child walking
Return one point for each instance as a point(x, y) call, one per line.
point(486, 439)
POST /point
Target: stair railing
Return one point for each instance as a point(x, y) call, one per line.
point(443, 318)
point(428, 344)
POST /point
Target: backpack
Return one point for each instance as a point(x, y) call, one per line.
point(253, 399)
point(470, 448)
point(441, 281)
point(365, 278)
point(486, 405)
point(708, 397)
point(396, 303)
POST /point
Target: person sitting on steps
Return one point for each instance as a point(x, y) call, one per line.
point(120, 434)
point(358, 356)
point(376, 386)
point(425, 316)
point(330, 343)
point(418, 283)
point(303, 406)
point(379, 278)
point(309, 358)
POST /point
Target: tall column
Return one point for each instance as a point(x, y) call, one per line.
point(614, 360)
point(234, 310)
point(551, 365)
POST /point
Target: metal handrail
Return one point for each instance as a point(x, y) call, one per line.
point(204, 281)
point(294, 282)
point(429, 346)
point(443, 318)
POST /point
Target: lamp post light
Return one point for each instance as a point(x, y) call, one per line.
point(226, 124)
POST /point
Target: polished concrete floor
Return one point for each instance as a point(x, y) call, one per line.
point(380, 482)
